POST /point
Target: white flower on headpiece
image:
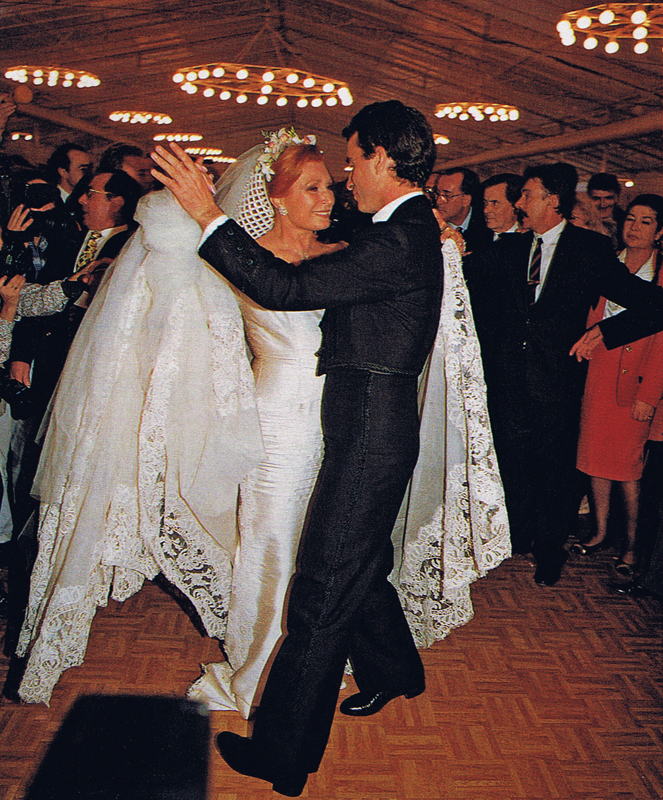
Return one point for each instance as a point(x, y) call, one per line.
point(275, 143)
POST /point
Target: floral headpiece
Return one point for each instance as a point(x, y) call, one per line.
point(275, 143)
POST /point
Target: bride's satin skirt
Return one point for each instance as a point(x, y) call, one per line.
point(273, 501)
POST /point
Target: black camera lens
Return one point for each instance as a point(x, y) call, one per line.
point(37, 195)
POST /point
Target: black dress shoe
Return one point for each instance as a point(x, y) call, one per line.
point(633, 589)
point(363, 704)
point(239, 753)
point(582, 549)
point(548, 574)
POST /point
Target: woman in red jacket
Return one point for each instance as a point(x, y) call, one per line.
point(624, 386)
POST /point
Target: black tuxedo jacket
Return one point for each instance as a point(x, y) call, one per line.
point(526, 348)
point(381, 294)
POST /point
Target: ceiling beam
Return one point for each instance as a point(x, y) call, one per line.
point(567, 141)
point(67, 121)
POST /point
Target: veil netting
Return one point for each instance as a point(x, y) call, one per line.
point(153, 427)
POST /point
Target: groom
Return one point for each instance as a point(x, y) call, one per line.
point(382, 299)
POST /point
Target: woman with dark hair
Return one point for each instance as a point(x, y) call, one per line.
point(622, 390)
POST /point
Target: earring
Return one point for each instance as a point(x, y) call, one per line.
point(282, 211)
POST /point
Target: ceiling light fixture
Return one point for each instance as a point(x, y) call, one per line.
point(265, 84)
point(634, 22)
point(495, 112)
point(142, 117)
point(53, 76)
point(177, 137)
point(18, 135)
point(210, 154)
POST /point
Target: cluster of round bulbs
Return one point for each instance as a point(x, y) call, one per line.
point(478, 112)
point(52, 76)
point(282, 89)
point(177, 137)
point(142, 117)
point(210, 154)
point(567, 30)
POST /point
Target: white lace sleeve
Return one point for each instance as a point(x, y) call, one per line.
point(453, 526)
point(6, 329)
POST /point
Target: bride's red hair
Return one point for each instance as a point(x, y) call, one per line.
point(289, 165)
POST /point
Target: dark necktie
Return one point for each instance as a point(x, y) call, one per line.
point(534, 272)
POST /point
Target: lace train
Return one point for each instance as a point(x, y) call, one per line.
point(455, 531)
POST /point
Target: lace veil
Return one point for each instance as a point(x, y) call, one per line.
point(153, 427)
point(241, 193)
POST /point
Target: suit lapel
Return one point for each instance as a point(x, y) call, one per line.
point(517, 264)
point(559, 266)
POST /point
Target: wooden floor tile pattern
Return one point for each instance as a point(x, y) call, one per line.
point(547, 693)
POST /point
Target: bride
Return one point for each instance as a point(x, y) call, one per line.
point(156, 394)
point(452, 528)
point(280, 192)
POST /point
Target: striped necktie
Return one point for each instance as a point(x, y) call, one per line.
point(534, 272)
point(89, 251)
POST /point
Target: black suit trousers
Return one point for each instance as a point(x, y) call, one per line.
point(536, 442)
point(341, 603)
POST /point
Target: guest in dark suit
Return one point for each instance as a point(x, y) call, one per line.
point(382, 297)
point(531, 294)
point(501, 192)
point(456, 195)
point(604, 190)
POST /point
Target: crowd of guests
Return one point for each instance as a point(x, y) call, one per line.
point(530, 378)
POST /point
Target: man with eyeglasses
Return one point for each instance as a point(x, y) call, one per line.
point(453, 192)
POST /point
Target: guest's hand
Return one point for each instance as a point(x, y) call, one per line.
point(449, 232)
point(91, 274)
point(20, 371)
point(188, 181)
point(584, 346)
point(20, 219)
point(10, 291)
point(95, 268)
point(642, 412)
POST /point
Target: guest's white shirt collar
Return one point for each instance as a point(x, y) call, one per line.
point(512, 229)
point(464, 224)
point(550, 237)
point(386, 211)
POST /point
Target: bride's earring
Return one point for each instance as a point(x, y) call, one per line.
point(282, 211)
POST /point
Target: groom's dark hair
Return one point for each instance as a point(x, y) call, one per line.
point(404, 133)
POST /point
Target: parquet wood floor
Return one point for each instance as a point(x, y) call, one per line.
point(547, 693)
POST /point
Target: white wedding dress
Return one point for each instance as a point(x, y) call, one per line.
point(153, 427)
point(452, 527)
point(273, 501)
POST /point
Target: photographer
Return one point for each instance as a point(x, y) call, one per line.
point(40, 242)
